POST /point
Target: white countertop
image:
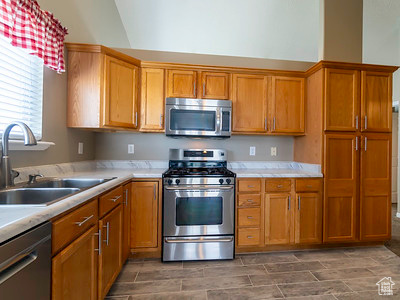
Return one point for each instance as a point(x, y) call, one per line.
point(16, 219)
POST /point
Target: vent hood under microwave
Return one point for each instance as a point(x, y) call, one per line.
point(198, 117)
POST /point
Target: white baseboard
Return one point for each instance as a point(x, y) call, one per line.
point(398, 215)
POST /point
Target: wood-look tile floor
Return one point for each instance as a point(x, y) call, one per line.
point(350, 273)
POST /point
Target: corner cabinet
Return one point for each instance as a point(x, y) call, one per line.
point(102, 88)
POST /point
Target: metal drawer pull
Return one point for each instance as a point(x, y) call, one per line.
point(115, 198)
point(198, 240)
point(279, 186)
point(299, 202)
point(249, 236)
point(99, 234)
point(249, 217)
point(107, 232)
point(309, 186)
point(288, 202)
point(22, 262)
point(126, 197)
point(85, 219)
point(249, 200)
point(250, 186)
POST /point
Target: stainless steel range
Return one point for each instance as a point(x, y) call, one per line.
point(198, 206)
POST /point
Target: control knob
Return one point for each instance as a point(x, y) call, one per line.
point(177, 181)
point(228, 181)
point(221, 181)
point(169, 181)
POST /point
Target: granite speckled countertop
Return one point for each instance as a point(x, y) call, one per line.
point(16, 219)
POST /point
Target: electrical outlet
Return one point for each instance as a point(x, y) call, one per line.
point(131, 148)
point(273, 151)
point(80, 148)
point(252, 150)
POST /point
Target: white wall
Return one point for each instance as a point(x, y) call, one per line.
point(276, 29)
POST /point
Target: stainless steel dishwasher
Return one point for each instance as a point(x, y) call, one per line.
point(25, 265)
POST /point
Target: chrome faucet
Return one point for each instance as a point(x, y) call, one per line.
point(7, 175)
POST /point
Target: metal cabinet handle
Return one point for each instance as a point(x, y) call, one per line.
point(115, 198)
point(126, 197)
point(274, 123)
point(250, 186)
point(249, 200)
point(154, 192)
point(266, 124)
point(85, 219)
point(161, 120)
point(365, 144)
point(204, 89)
point(249, 236)
point(136, 119)
point(289, 202)
point(299, 204)
point(249, 217)
point(279, 186)
point(365, 122)
point(356, 122)
point(194, 87)
point(107, 227)
point(99, 235)
point(356, 143)
point(309, 186)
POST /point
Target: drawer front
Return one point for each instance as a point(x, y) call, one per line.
point(72, 225)
point(248, 236)
point(249, 216)
point(110, 200)
point(278, 185)
point(249, 200)
point(250, 185)
point(308, 185)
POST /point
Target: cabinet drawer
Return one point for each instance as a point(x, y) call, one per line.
point(248, 236)
point(308, 185)
point(249, 200)
point(278, 185)
point(110, 200)
point(249, 216)
point(72, 225)
point(249, 185)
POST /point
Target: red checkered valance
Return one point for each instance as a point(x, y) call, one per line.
point(29, 27)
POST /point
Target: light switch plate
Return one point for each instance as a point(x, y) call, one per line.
point(252, 151)
point(273, 151)
point(80, 148)
point(131, 148)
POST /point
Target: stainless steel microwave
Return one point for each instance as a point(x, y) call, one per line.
point(198, 117)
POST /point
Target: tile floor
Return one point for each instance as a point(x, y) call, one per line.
point(349, 273)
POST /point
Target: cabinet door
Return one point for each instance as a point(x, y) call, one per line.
point(126, 234)
point(120, 105)
point(341, 182)
point(215, 85)
point(152, 100)
point(287, 105)
point(181, 84)
point(278, 219)
point(342, 100)
point(110, 260)
point(249, 100)
point(74, 269)
point(375, 200)
point(144, 215)
point(376, 101)
point(308, 218)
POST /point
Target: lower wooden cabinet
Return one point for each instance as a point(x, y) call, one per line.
point(308, 218)
point(110, 258)
point(74, 269)
point(126, 235)
point(278, 219)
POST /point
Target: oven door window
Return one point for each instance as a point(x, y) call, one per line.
point(195, 120)
point(198, 211)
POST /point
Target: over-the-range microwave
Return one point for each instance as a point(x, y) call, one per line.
point(198, 117)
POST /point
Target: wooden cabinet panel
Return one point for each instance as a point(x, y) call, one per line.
point(249, 200)
point(248, 236)
point(375, 200)
point(308, 185)
point(126, 234)
point(376, 101)
point(215, 85)
point(74, 269)
point(340, 197)
point(249, 185)
point(110, 259)
point(152, 100)
point(181, 84)
point(249, 216)
point(308, 218)
point(144, 215)
point(249, 103)
point(278, 219)
point(278, 185)
point(287, 104)
point(110, 200)
point(120, 105)
point(342, 100)
point(72, 225)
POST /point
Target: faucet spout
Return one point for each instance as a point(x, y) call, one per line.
point(6, 174)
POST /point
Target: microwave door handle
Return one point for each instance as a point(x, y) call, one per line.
point(221, 120)
point(218, 115)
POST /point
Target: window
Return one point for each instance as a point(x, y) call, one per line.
point(21, 89)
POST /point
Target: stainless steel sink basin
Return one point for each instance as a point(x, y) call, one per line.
point(36, 196)
point(79, 183)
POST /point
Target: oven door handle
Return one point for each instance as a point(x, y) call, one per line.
point(198, 240)
point(199, 188)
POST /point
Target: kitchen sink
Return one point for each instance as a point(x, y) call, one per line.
point(34, 197)
point(80, 183)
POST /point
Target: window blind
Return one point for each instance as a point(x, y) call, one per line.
point(21, 89)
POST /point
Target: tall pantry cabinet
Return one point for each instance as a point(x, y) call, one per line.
point(352, 142)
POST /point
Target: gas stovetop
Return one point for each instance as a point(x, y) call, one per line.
point(199, 172)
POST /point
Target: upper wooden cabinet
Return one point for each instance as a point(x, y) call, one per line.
point(102, 88)
point(215, 85)
point(287, 105)
point(376, 101)
point(152, 100)
point(181, 84)
point(342, 100)
point(249, 97)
